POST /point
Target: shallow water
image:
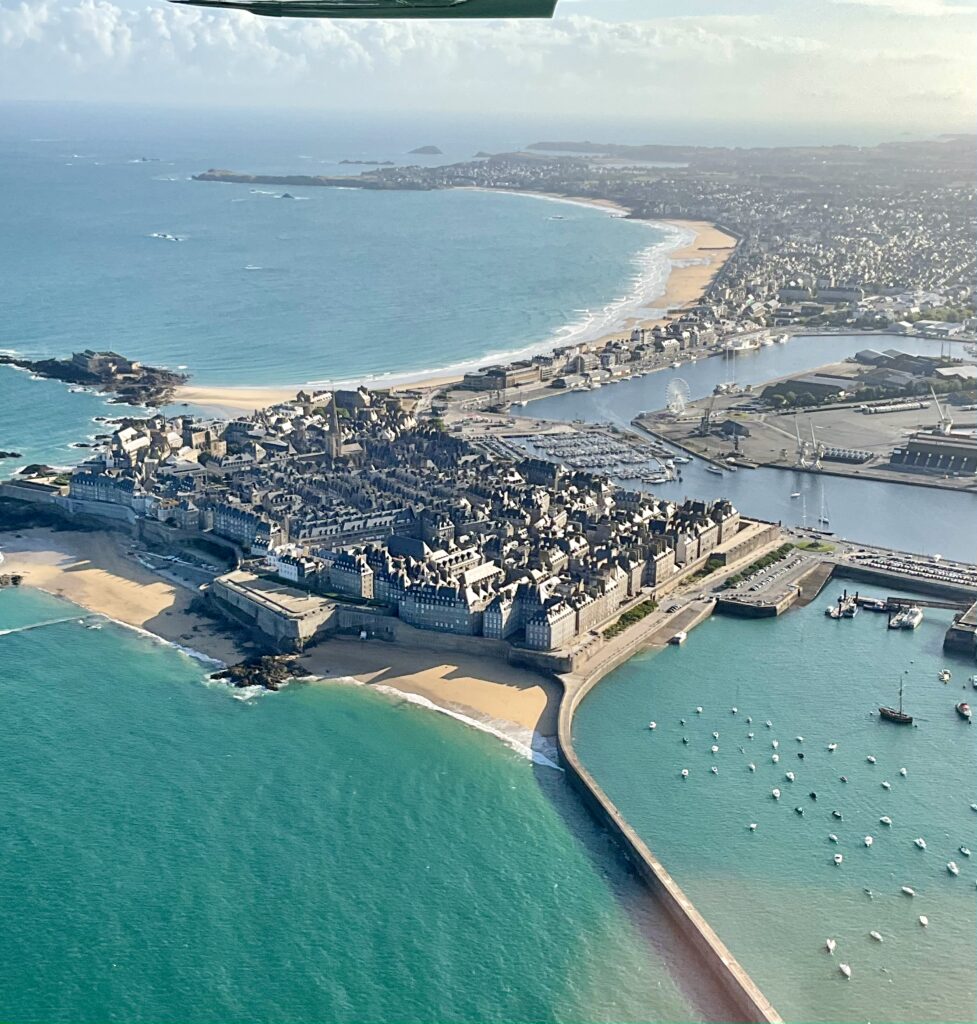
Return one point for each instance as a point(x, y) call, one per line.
point(170, 853)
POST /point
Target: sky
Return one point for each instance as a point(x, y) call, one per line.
point(897, 65)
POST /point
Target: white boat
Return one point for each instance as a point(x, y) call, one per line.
point(714, 749)
point(832, 837)
point(951, 866)
point(870, 759)
point(698, 711)
point(789, 776)
point(902, 772)
point(733, 711)
point(750, 735)
point(924, 920)
point(796, 494)
point(830, 945)
point(752, 767)
point(838, 858)
point(845, 970)
point(885, 820)
point(965, 851)
point(782, 339)
point(876, 936)
point(652, 725)
point(685, 773)
point(832, 747)
point(714, 770)
point(869, 840)
point(768, 724)
point(908, 890)
point(752, 826)
point(887, 785)
point(944, 675)
point(715, 735)
point(800, 739)
point(775, 744)
point(715, 470)
point(775, 758)
point(775, 793)
point(920, 842)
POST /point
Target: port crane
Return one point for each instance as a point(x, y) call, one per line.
point(385, 8)
point(809, 453)
point(946, 420)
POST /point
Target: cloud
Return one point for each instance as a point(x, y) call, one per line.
point(743, 67)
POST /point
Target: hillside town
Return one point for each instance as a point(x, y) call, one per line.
point(348, 496)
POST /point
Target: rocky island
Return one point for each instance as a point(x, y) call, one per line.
point(130, 382)
point(271, 672)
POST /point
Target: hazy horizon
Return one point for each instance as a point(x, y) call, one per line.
point(818, 71)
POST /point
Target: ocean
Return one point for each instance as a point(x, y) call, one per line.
point(774, 895)
point(171, 853)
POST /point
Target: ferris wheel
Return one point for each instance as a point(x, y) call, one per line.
point(678, 396)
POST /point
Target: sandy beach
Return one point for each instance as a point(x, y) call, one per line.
point(484, 688)
point(693, 268)
point(93, 570)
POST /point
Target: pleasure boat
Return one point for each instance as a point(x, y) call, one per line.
point(838, 858)
point(908, 890)
point(685, 773)
point(963, 710)
point(924, 920)
point(965, 851)
point(887, 785)
point(752, 826)
point(870, 759)
point(944, 675)
point(652, 725)
point(830, 945)
point(845, 970)
point(920, 842)
point(951, 866)
point(869, 840)
point(715, 470)
point(775, 793)
point(876, 935)
point(832, 837)
point(885, 820)
point(752, 767)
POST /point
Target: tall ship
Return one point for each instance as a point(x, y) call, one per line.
point(898, 716)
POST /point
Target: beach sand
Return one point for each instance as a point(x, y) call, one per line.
point(693, 268)
point(93, 570)
point(484, 688)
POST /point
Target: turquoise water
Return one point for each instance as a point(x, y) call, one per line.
point(774, 895)
point(170, 853)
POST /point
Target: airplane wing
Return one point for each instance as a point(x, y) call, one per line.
point(386, 8)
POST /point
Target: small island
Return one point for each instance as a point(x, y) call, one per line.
point(426, 151)
point(130, 382)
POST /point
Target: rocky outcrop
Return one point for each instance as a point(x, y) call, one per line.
point(270, 672)
point(134, 385)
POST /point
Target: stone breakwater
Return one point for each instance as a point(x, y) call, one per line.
point(743, 993)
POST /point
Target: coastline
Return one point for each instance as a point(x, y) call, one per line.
point(694, 254)
point(94, 571)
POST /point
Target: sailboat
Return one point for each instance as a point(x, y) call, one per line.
point(823, 518)
point(899, 717)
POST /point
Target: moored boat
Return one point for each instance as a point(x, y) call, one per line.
point(963, 710)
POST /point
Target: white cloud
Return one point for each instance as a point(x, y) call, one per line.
point(753, 67)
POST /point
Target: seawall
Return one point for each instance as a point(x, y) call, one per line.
point(744, 994)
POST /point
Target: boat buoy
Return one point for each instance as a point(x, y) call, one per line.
point(869, 840)
point(838, 858)
point(920, 842)
point(830, 945)
point(885, 820)
point(870, 759)
point(832, 837)
point(924, 920)
point(908, 890)
point(752, 826)
point(886, 785)
point(652, 725)
point(845, 970)
point(951, 866)
point(837, 814)
point(876, 936)
point(685, 773)
point(903, 772)
point(752, 767)
point(775, 793)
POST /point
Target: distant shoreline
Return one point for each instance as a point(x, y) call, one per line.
point(696, 253)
